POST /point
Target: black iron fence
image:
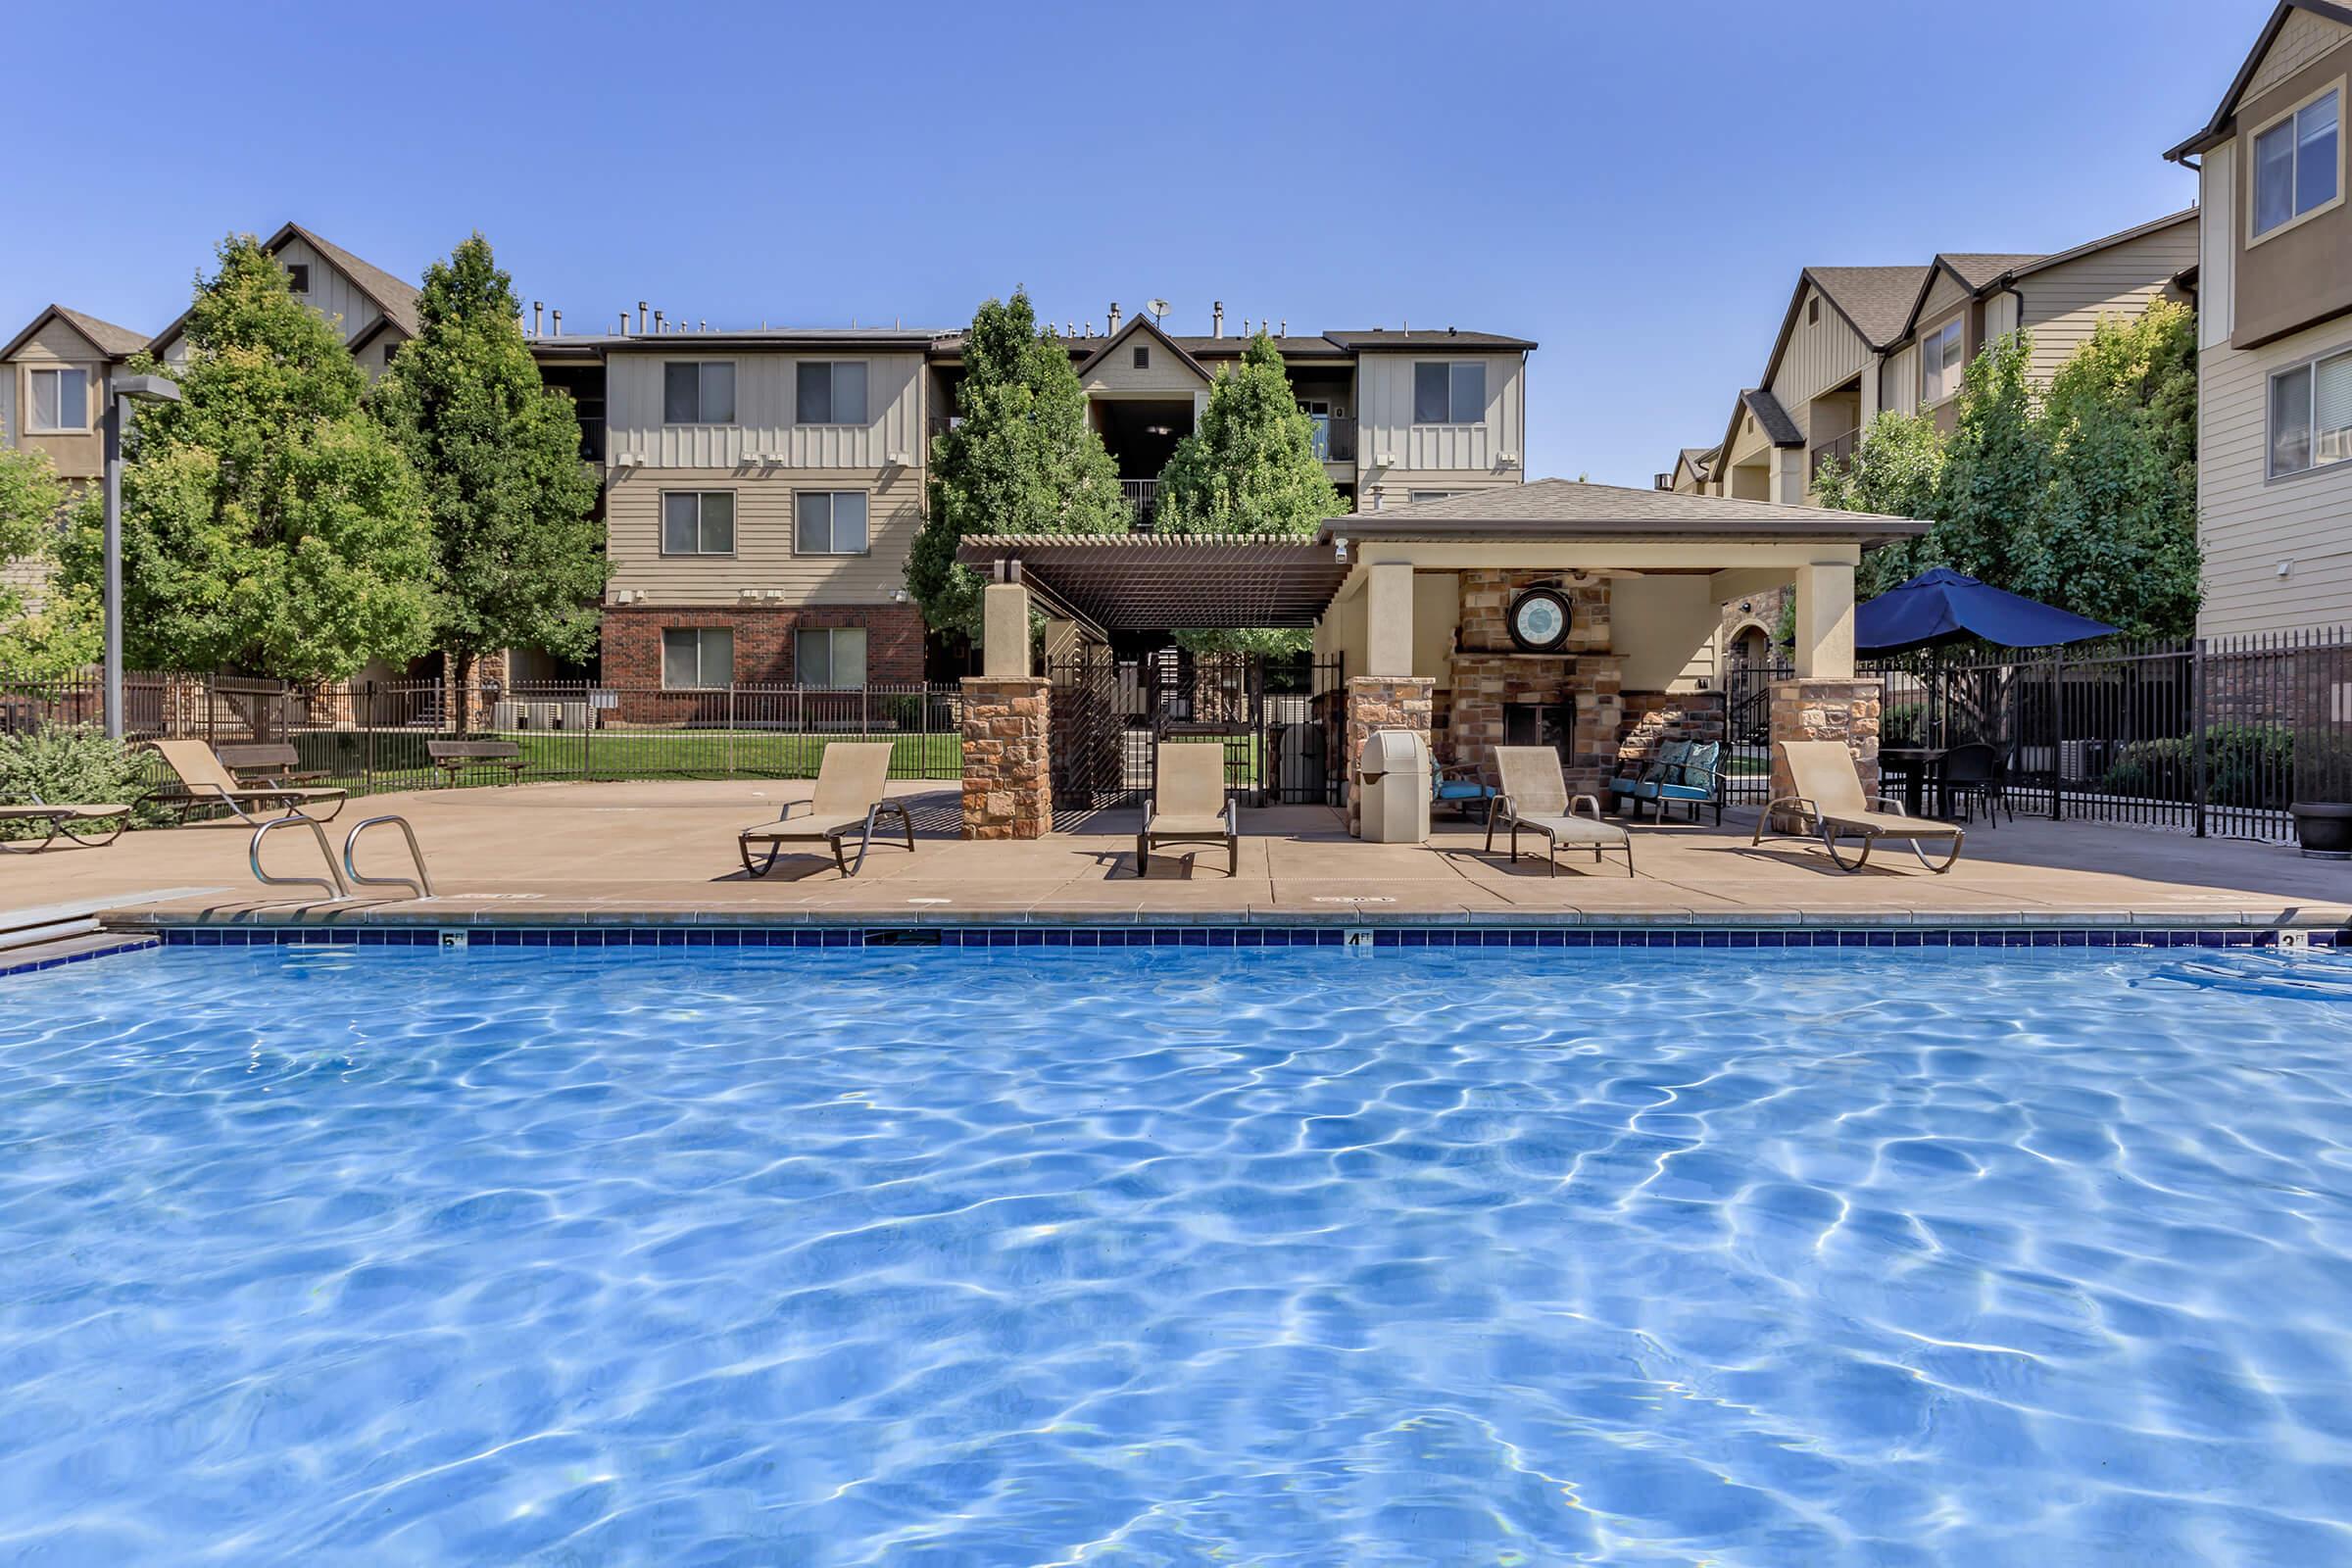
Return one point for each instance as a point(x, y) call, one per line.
point(373, 736)
point(2213, 736)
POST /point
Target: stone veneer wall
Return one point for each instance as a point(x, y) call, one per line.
point(1847, 711)
point(1007, 783)
point(1378, 703)
point(1484, 685)
point(1486, 605)
point(1653, 718)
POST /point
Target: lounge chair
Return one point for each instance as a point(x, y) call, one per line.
point(1535, 797)
point(852, 794)
point(1829, 800)
point(1189, 803)
point(204, 780)
point(81, 823)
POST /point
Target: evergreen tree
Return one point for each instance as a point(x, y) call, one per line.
point(1249, 466)
point(51, 633)
point(269, 526)
point(519, 551)
point(1020, 459)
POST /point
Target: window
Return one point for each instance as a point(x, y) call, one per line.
point(698, 522)
point(298, 276)
point(1813, 311)
point(1942, 356)
point(1142, 357)
point(696, 657)
point(1415, 497)
point(61, 399)
point(830, 392)
point(1449, 394)
point(2311, 416)
point(2296, 164)
point(697, 392)
point(829, 522)
point(831, 656)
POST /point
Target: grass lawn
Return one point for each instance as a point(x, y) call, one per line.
point(618, 756)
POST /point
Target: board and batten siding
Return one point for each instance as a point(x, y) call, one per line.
point(332, 293)
point(765, 404)
point(764, 557)
point(1945, 296)
point(1383, 392)
point(1898, 380)
point(1819, 355)
point(1165, 376)
point(2064, 303)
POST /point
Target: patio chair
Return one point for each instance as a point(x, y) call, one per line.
point(1189, 803)
point(81, 823)
point(1972, 773)
point(1628, 791)
point(1535, 797)
point(853, 782)
point(204, 780)
point(1828, 798)
point(1459, 785)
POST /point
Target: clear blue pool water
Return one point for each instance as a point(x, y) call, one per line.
point(1177, 1256)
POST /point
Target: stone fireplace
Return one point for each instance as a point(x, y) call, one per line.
point(1571, 699)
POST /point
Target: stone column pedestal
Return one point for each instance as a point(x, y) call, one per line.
point(1811, 709)
point(1377, 703)
point(1007, 786)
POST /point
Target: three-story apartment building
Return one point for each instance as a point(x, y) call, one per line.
point(2275, 331)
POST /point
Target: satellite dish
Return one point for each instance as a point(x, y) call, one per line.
point(1157, 308)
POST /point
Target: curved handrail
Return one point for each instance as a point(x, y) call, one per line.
point(420, 886)
point(335, 889)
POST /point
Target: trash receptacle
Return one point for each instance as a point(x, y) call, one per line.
point(1394, 779)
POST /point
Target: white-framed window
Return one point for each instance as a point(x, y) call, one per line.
point(830, 392)
point(828, 522)
point(698, 522)
point(1413, 498)
point(2311, 415)
point(696, 657)
point(1449, 392)
point(829, 656)
point(697, 392)
point(2298, 162)
point(1942, 357)
point(61, 401)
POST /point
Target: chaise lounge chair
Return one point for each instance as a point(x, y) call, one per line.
point(852, 787)
point(1189, 803)
point(204, 780)
point(1829, 800)
point(1535, 797)
point(81, 823)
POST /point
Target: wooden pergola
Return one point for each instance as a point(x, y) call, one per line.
point(1155, 582)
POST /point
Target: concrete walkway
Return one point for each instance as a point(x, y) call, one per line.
point(616, 851)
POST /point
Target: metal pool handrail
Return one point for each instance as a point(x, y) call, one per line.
point(335, 889)
point(421, 885)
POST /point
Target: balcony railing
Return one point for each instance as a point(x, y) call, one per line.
point(1334, 439)
point(1838, 449)
point(1143, 498)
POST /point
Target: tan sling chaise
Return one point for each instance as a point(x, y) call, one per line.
point(853, 782)
point(92, 825)
point(1828, 798)
point(1189, 803)
point(204, 780)
point(1535, 797)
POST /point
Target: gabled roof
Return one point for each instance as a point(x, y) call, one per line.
point(115, 342)
point(1364, 342)
point(1979, 270)
point(1875, 301)
point(1140, 322)
point(1698, 458)
point(1770, 418)
point(397, 300)
point(1982, 273)
point(1571, 509)
point(2217, 130)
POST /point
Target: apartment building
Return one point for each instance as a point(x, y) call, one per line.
point(2275, 331)
point(1858, 340)
point(376, 311)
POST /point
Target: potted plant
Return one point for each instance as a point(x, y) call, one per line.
point(2322, 806)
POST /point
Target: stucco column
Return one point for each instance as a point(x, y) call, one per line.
point(1008, 780)
point(1004, 631)
point(1825, 620)
point(1389, 620)
point(1378, 703)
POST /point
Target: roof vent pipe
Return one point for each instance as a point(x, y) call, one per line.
point(557, 317)
point(1216, 319)
point(657, 322)
point(1283, 330)
point(624, 325)
point(534, 317)
point(1113, 328)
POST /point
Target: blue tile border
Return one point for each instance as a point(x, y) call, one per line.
point(28, 966)
point(1704, 939)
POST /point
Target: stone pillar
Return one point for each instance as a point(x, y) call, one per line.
point(1377, 703)
point(1845, 711)
point(1007, 786)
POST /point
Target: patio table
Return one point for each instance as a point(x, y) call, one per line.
point(1919, 766)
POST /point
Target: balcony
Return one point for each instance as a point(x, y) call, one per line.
point(1334, 439)
point(1838, 449)
point(1143, 498)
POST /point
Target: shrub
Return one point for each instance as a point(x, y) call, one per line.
point(72, 764)
point(2245, 764)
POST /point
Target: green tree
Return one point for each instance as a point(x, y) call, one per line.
point(1895, 470)
point(518, 552)
point(52, 633)
point(1264, 642)
point(1250, 465)
point(1020, 459)
point(269, 524)
point(1996, 470)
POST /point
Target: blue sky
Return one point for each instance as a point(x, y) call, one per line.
point(1633, 186)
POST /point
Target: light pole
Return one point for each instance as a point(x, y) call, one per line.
point(127, 390)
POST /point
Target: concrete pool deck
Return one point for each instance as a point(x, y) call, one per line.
point(572, 854)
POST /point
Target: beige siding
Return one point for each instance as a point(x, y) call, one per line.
point(78, 455)
point(7, 404)
point(2304, 38)
point(1166, 376)
point(2249, 525)
point(1945, 296)
point(2217, 255)
point(765, 404)
point(1821, 355)
point(1900, 380)
point(332, 294)
point(2064, 303)
point(764, 557)
point(1385, 404)
point(2000, 316)
point(1396, 486)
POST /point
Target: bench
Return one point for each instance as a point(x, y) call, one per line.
point(453, 758)
point(277, 764)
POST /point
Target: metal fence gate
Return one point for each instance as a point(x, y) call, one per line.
point(1276, 720)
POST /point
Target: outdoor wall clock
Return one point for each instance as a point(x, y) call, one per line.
point(1539, 619)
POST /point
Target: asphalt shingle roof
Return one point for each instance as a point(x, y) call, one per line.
point(1565, 508)
point(118, 341)
point(1878, 299)
point(1774, 419)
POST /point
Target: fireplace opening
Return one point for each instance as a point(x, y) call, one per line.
point(1552, 724)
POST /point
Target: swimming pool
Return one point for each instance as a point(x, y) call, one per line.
point(1177, 1255)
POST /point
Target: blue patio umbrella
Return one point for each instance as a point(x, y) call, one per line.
point(1941, 605)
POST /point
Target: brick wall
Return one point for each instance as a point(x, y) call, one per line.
point(1653, 718)
point(764, 640)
